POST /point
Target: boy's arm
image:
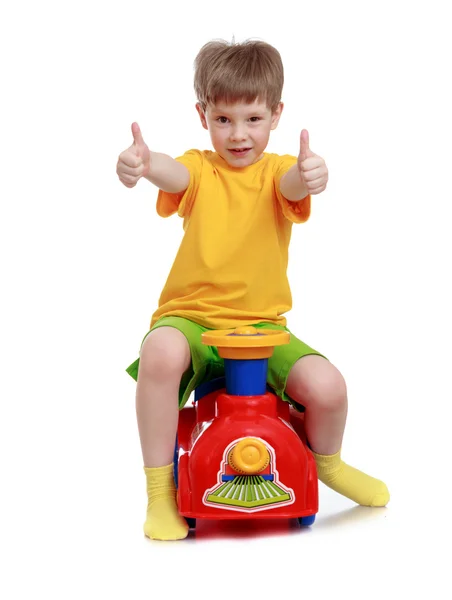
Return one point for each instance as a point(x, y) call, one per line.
point(160, 169)
point(167, 174)
point(308, 176)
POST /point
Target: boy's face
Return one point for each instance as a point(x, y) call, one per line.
point(239, 131)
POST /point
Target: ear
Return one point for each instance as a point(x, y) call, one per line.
point(276, 115)
point(202, 115)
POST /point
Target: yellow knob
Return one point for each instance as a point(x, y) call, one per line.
point(245, 330)
point(249, 456)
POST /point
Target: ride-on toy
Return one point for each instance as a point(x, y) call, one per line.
point(241, 451)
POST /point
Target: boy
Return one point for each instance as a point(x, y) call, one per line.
point(238, 205)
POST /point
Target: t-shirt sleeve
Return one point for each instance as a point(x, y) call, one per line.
point(167, 203)
point(296, 211)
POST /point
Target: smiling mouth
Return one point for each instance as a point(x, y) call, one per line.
point(239, 151)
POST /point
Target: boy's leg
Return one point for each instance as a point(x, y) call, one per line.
point(320, 388)
point(301, 375)
point(164, 357)
point(317, 385)
point(173, 362)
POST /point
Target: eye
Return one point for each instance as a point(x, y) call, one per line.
point(255, 119)
point(222, 120)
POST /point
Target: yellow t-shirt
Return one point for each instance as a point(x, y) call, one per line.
point(231, 265)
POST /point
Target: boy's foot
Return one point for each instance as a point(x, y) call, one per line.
point(350, 482)
point(163, 521)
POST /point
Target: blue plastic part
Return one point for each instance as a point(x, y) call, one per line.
point(191, 522)
point(209, 387)
point(246, 377)
point(176, 463)
point(306, 521)
point(214, 385)
point(232, 477)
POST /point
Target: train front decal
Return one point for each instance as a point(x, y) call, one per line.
point(248, 480)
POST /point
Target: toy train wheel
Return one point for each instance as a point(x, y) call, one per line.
point(306, 521)
point(191, 522)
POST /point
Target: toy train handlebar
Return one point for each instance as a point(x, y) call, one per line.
point(245, 342)
point(245, 351)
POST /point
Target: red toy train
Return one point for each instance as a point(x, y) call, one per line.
point(241, 451)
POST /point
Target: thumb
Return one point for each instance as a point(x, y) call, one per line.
point(305, 151)
point(137, 137)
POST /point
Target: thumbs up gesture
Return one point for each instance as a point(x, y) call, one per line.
point(135, 162)
point(312, 167)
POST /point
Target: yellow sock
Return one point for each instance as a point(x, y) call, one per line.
point(163, 521)
point(350, 482)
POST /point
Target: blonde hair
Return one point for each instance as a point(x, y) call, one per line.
point(235, 72)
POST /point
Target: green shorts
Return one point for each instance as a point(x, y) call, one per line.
point(206, 364)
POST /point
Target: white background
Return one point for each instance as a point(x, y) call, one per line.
point(84, 260)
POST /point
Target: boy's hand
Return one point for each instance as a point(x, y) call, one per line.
point(312, 167)
point(135, 162)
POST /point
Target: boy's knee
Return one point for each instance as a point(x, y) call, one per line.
point(331, 392)
point(165, 353)
point(316, 382)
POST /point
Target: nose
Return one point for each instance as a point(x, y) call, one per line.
point(238, 133)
